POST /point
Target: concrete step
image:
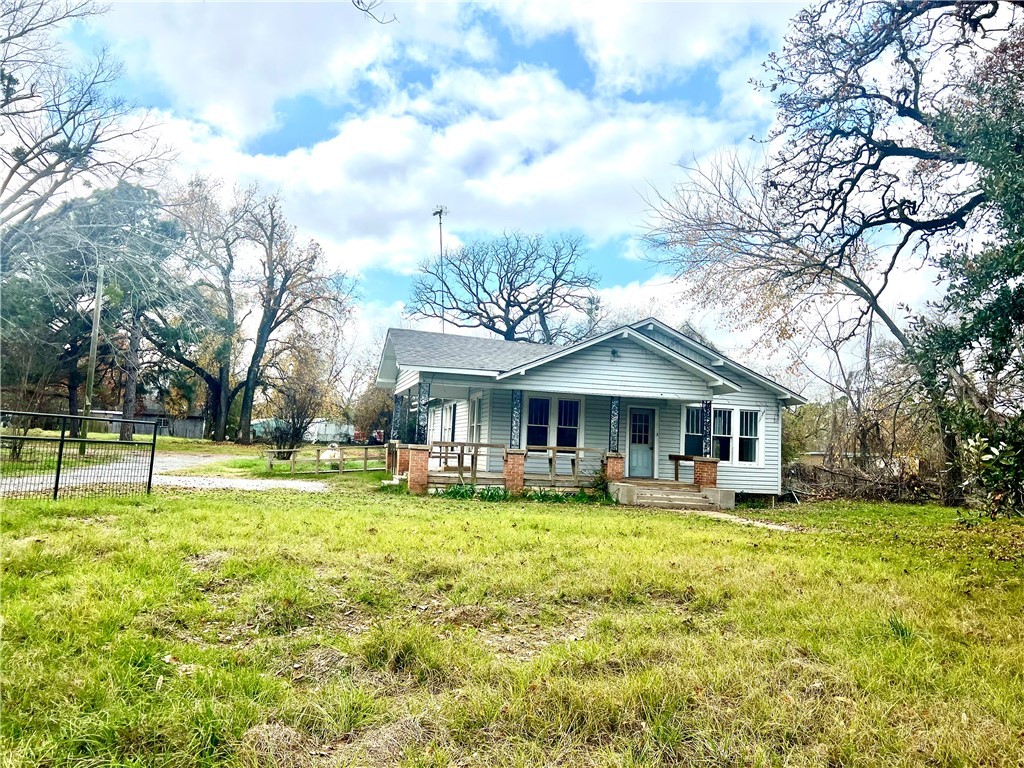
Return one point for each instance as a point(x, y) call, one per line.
point(708, 506)
point(673, 498)
point(667, 496)
point(661, 485)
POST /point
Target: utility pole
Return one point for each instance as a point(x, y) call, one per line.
point(90, 374)
point(441, 212)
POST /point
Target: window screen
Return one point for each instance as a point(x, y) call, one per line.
point(748, 436)
point(721, 434)
point(694, 439)
point(537, 421)
point(568, 423)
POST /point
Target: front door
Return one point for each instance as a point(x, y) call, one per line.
point(641, 442)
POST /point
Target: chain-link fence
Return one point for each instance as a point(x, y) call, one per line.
point(46, 454)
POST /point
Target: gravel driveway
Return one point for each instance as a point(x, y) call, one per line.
point(172, 462)
point(162, 463)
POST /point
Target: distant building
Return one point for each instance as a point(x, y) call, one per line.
point(151, 409)
point(328, 431)
point(319, 431)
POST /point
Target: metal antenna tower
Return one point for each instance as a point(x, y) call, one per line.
point(441, 211)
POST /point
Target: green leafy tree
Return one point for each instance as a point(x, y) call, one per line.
point(865, 178)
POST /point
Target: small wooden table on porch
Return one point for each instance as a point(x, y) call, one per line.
point(675, 458)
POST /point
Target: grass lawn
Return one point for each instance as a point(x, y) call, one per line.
point(372, 628)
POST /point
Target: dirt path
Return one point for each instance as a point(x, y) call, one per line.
point(729, 518)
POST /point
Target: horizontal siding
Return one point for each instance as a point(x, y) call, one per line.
point(633, 370)
point(768, 477)
point(406, 379)
point(753, 396)
point(499, 425)
point(676, 346)
point(461, 421)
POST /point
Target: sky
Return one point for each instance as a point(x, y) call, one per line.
point(547, 117)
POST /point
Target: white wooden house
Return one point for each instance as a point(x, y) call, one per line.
point(643, 392)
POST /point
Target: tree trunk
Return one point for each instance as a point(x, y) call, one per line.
point(74, 382)
point(953, 476)
point(863, 449)
point(222, 406)
point(131, 381)
point(249, 392)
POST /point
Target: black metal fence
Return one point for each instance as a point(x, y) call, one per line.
point(43, 454)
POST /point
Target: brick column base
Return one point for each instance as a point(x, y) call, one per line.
point(705, 472)
point(614, 467)
point(403, 460)
point(515, 471)
point(419, 461)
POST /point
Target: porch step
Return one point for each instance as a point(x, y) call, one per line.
point(662, 485)
point(673, 499)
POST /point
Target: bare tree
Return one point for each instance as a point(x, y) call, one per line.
point(58, 122)
point(521, 287)
point(865, 178)
point(292, 283)
point(201, 329)
point(303, 383)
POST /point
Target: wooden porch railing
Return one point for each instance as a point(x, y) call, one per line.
point(553, 452)
point(464, 458)
point(448, 452)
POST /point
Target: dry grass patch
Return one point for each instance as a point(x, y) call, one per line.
point(236, 628)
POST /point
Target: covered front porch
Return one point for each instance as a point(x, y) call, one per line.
point(531, 439)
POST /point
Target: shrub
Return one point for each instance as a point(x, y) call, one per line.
point(492, 493)
point(458, 492)
point(996, 468)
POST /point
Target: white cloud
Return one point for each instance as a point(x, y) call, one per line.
point(229, 64)
point(501, 151)
point(631, 46)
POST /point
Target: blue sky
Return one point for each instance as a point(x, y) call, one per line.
point(545, 117)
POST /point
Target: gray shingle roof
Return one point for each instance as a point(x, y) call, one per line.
point(415, 349)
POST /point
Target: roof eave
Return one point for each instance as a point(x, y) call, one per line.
point(630, 332)
point(721, 361)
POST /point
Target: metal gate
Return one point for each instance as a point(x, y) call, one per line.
point(43, 454)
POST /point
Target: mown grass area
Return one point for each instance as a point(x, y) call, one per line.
point(373, 628)
point(257, 468)
point(167, 444)
point(42, 459)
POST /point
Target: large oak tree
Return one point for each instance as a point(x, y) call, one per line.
point(521, 287)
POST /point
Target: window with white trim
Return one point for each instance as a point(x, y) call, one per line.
point(475, 425)
point(693, 440)
point(749, 435)
point(553, 422)
point(568, 432)
point(538, 417)
point(736, 435)
point(721, 434)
